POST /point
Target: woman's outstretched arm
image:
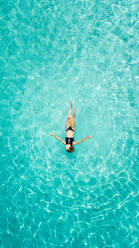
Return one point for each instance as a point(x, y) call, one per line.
point(79, 141)
point(58, 138)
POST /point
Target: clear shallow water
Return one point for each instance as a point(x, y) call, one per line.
point(50, 53)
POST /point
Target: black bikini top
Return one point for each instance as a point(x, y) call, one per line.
point(69, 140)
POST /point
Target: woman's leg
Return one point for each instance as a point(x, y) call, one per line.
point(70, 109)
point(69, 116)
point(73, 120)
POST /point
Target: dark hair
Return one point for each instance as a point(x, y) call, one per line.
point(71, 149)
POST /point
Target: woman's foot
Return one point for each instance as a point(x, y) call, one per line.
point(74, 112)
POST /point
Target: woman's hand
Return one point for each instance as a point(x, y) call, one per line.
point(52, 134)
point(89, 137)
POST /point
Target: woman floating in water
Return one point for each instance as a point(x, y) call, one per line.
point(70, 129)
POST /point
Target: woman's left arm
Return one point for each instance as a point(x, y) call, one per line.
point(58, 138)
point(79, 141)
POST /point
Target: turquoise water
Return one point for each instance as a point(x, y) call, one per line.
point(52, 52)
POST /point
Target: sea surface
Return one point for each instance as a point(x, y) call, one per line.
point(51, 53)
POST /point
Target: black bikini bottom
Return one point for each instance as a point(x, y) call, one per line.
point(70, 128)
